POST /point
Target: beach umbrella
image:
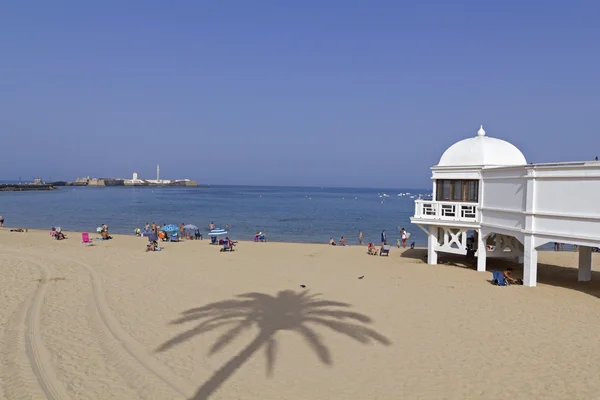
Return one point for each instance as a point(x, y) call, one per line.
point(217, 232)
point(190, 227)
point(170, 228)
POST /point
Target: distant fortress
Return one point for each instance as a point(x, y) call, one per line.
point(134, 181)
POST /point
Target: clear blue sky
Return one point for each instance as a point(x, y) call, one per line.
point(336, 93)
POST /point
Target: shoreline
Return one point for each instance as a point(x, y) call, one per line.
point(205, 239)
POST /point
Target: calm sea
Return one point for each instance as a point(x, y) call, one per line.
point(285, 214)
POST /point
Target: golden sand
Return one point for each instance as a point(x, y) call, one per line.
point(111, 321)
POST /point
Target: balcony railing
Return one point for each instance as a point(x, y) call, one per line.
point(446, 210)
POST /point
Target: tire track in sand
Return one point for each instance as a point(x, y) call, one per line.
point(24, 337)
point(126, 343)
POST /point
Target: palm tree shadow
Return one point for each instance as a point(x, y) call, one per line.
point(288, 310)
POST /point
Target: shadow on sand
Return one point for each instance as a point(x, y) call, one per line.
point(548, 274)
point(288, 310)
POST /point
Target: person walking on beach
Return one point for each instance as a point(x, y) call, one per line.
point(211, 226)
point(227, 227)
point(1, 220)
point(147, 228)
point(360, 238)
point(383, 238)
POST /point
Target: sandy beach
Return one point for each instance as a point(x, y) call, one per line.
point(112, 321)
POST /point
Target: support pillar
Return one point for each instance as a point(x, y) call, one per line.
point(530, 262)
point(481, 252)
point(585, 264)
point(432, 245)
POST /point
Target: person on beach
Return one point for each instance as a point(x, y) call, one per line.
point(181, 231)
point(342, 241)
point(360, 239)
point(211, 226)
point(197, 234)
point(509, 279)
point(1, 220)
point(332, 241)
point(371, 249)
point(153, 227)
point(383, 238)
point(147, 228)
point(403, 236)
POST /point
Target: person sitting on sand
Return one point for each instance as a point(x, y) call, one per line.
point(59, 235)
point(509, 279)
point(371, 249)
point(332, 241)
point(153, 246)
point(231, 242)
point(342, 241)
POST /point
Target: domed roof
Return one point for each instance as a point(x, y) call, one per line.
point(482, 150)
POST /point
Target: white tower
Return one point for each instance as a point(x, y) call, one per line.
point(158, 172)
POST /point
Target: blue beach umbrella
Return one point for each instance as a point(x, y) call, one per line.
point(190, 227)
point(170, 228)
point(217, 232)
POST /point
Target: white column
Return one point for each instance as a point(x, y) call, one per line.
point(432, 245)
point(481, 252)
point(530, 262)
point(585, 264)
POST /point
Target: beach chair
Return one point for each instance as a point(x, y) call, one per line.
point(498, 278)
point(85, 238)
point(174, 237)
point(385, 251)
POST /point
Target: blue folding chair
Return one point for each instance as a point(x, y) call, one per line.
point(498, 278)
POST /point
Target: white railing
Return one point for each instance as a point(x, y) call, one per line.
point(446, 210)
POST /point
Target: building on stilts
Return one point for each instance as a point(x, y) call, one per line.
point(488, 202)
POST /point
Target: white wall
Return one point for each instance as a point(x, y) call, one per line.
point(571, 196)
point(564, 199)
point(506, 194)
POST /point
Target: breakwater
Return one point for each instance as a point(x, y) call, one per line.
point(19, 187)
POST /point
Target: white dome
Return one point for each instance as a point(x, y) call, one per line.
point(482, 150)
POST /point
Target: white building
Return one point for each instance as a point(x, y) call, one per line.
point(484, 188)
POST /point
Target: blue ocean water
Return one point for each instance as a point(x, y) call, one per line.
point(285, 214)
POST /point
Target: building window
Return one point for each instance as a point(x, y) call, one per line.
point(457, 190)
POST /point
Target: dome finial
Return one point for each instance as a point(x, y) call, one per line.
point(481, 132)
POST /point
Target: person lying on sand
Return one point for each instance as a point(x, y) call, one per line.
point(18, 230)
point(509, 279)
